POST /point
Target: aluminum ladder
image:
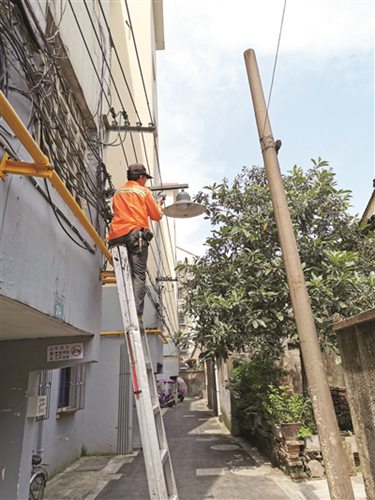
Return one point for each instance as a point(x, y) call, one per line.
point(160, 478)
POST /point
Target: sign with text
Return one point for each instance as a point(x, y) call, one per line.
point(63, 352)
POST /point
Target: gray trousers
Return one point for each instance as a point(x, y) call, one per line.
point(138, 267)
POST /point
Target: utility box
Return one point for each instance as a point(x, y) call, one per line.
point(36, 406)
point(356, 338)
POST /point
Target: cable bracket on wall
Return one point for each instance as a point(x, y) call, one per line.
point(114, 127)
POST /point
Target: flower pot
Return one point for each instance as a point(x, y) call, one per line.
point(290, 430)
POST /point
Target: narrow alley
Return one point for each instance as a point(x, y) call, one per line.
point(208, 463)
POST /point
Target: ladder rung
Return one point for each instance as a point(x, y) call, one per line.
point(164, 454)
point(158, 464)
point(156, 409)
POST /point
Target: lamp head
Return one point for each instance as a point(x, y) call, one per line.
point(183, 207)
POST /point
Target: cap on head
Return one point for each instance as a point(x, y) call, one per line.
point(137, 169)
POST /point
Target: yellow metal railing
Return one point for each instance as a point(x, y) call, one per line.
point(42, 168)
point(147, 330)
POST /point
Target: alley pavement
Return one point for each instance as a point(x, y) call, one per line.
point(208, 463)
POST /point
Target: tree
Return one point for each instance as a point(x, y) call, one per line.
point(237, 292)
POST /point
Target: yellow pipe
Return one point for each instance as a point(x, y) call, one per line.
point(22, 168)
point(154, 331)
point(21, 131)
point(32, 147)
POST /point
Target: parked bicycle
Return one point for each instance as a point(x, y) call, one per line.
point(39, 477)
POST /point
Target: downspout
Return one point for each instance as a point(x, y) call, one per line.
point(217, 388)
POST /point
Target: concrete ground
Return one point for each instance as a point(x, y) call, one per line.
point(208, 462)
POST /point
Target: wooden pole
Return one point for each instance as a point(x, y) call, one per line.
point(336, 467)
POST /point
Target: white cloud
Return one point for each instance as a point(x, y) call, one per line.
point(314, 25)
point(202, 68)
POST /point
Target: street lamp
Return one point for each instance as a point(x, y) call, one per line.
point(183, 207)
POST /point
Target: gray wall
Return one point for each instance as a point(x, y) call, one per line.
point(111, 311)
point(50, 294)
point(224, 392)
point(60, 436)
point(14, 437)
point(94, 429)
point(356, 336)
point(102, 398)
point(20, 362)
point(40, 266)
point(108, 423)
point(155, 346)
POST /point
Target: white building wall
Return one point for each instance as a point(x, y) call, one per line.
point(51, 286)
point(138, 95)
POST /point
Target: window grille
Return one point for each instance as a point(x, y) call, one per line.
point(44, 389)
point(72, 386)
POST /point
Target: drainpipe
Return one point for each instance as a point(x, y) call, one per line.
point(217, 389)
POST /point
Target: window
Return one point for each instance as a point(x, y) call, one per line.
point(71, 389)
point(44, 389)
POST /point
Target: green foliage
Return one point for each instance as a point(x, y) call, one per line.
point(250, 382)
point(237, 293)
point(281, 405)
point(255, 388)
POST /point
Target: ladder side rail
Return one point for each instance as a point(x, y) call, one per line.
point(159, 422)
point(150, 430)
point(157, 481)
point(151, 380)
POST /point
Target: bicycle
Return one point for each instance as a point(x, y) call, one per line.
point(39, 477)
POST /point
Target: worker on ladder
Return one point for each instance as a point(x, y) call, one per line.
point(132, 206)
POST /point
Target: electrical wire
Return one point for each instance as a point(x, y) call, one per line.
point(60, 215)
point(138, 59)
point(85, 247)
point(89, 53)
point(119, 62)
point(151, 118)
point(40, 101)
point(143, 82)
point(93, 64)
point(41, 84)
point(274, 65)
point(129, 23)
point(29, 71)
point(104, 56)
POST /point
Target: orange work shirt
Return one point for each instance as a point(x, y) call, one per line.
point(132, 205)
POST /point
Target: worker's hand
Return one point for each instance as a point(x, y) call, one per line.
point(161, 199)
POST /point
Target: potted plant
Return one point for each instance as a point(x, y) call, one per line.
point(285, 409)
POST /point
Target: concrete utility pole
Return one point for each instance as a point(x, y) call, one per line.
point(336, 467)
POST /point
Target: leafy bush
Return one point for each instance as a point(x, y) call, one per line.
point(255, 388)
point(281, 405)
point(249, 383)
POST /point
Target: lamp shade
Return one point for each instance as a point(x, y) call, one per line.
point(183, 207)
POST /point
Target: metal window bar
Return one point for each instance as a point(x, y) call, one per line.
point(78, 384)
point(64, 388)
point(72, 388)
point(44, 389)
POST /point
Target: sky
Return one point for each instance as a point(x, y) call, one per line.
point(322, 101)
